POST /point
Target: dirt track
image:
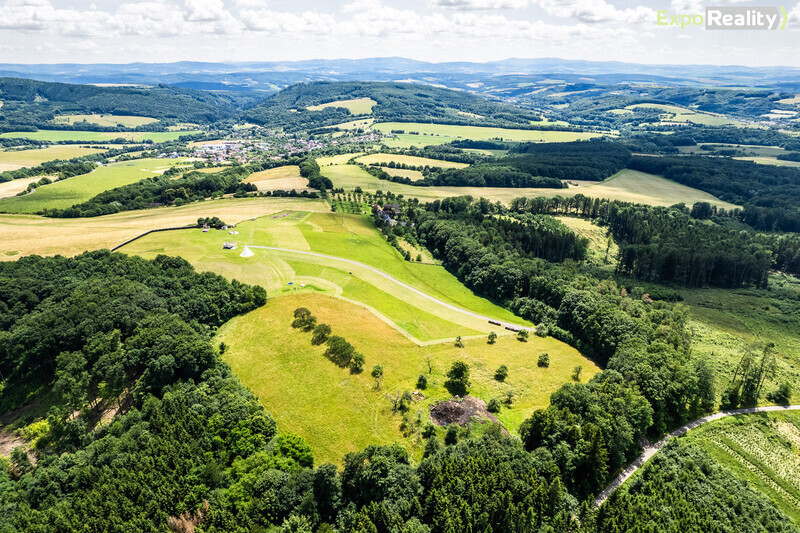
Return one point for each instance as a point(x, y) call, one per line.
point(651, 450)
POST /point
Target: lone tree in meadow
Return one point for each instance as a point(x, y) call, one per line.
point(377, 375)
point(459, 343)
point(303, 319)
point(458, 379)
point(501, 373)
point(576, 373)
point(523, 335)
point(544, 360)
point(492, 337)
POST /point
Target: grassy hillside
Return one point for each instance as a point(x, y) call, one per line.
point(14, 159)
point(66, 193)
point(346, 236)
point(30, 234)
point(339, 412)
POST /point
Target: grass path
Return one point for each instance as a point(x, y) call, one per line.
point(651, 450)
point(401, 284)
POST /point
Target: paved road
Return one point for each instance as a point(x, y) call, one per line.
point(651, 449)
point(397, 281)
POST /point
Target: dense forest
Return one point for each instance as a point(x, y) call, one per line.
point(29, 104)
point(189, 445)
point(395, 102)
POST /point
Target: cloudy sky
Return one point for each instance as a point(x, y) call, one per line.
point(121, 31)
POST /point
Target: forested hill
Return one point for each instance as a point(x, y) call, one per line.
point(30, 103)
point(403, 102)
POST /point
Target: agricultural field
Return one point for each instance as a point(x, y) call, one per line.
point(341, 240)
point(340, 159)
point(338, 412)
point(134, 136)
point(413, 175)
point(15, 159)
point(671, 113)
point(770, 161)
point(363, 123)
point(30, 234)
point(11, 188)
point(410, 160)
point(111, 121)
point(627, 185)
point(480, 133)
point(763, 449)
point(66, 193)
point(357, 106)
point(725, 323)
point(284, 178)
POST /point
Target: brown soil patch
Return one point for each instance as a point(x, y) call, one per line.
point(460, 411)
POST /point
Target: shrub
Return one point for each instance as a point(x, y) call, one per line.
point(544, 360)
point(501, 373)
point(422, 382)
point(782, 394)
point(523, 335)
point(492, 337)
point(493, 406)
point(321, 334)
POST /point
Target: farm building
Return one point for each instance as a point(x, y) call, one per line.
point(227, 245)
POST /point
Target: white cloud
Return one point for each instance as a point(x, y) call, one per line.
point(250, 4)
point(592, 11)
point(476, 5)
point(205, 10)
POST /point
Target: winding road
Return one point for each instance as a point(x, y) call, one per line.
point(650, 450)
point(418, 292)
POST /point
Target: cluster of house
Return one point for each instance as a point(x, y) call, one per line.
point(388, 213)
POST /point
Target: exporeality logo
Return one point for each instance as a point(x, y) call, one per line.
point(728, 18)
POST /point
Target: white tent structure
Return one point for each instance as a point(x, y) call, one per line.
point(247, 252)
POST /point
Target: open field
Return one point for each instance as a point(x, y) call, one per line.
point(14, 159)
point(126, 121)
point(726, 322)
point(410, 160)
point(770, 161)
point(339, 159)
point(337, 236)
point(280, 178)
point(11, 188)
point(763, 449)
point(480, 133)
point(405, 140)
point(338, 412)
point(671, 113)
point(413, 175)
point(793, 100)
point(29, 234)
point(57, 135)
point(66, 193)
point(357, 106)
point(354, 124)
point(627, 185)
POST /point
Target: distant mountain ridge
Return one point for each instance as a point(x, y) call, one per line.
point(269, 76)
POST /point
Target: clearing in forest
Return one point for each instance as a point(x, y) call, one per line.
point(357, 106)
point(339, 412)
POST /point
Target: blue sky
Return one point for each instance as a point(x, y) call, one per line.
point(122, 31)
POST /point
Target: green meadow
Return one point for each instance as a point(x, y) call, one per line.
point(78, 189)
point(338, 236)
point(433, 133)
point(339, 412)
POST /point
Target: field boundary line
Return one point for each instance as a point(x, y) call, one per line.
point(650, 450)
point(117, 247)
point(402, 284)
